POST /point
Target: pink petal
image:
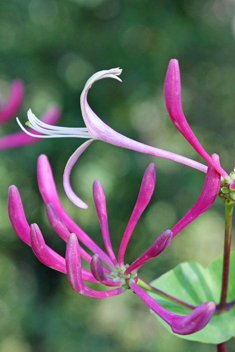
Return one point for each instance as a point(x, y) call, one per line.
point(44, 253)
point(60, 228)
point(172, 92)
point(209, 193)
point(17, 215)
point(100, 203)
point(14, 101)
point(145, 194)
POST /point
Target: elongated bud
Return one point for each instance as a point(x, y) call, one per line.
point(97, 270)
point(57, 223)
point(158, 247)
point(172, 92)
point(45, 254)
point(100, 203)
point(74, 271)
point(209, 193)
point(17, 215)
point(183, 325)
point(145, 194)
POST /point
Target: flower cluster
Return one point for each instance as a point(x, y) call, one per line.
point(106, 270)
point(9, 111)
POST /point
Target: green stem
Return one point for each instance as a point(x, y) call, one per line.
point(150, 288)
point(227, 250)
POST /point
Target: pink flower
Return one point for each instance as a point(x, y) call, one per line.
point(9, 111)
point(97, 129)
point(115, 275)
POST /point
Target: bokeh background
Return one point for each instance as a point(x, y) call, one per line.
point(54, 46)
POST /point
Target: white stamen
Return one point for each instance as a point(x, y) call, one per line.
point(49, 131)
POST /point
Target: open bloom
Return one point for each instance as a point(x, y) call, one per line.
point(10, 109)
point(107, 270)
point(97, 129)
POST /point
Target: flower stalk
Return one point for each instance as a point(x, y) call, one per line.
point(227, 251)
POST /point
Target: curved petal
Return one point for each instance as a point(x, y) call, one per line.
point(66, 178)
point(14, 101)
point(44, 253)
point(20, 139)
point(183, 325)
point(172, 92)
point(209, 193)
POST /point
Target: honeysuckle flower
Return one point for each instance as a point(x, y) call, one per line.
point(10, 109)
point(97, 129)
point(107, 270)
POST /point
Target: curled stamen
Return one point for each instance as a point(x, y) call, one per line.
point(50, 131)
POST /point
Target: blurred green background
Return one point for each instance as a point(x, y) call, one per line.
point(54, 46)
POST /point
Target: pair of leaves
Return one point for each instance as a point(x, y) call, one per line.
point(193, 284)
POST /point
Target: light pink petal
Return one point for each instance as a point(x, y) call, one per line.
point(183, 325)
point(209, 193)
point(97, 270)
point(20, 139)
point(14, 101)
point(99, 130)
point(145, 194)
point(17, 215)
point(172, 92)
point(49, 194)
point(157, 248)
point(100, 203)
point(73, 263)
point(66, 178)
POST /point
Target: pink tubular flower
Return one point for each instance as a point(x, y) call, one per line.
point(172, 92)
point(97, 129)
point(10, 109)
point(106, 269)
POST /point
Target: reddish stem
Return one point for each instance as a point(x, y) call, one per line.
point(221, 347)
point(227, 250)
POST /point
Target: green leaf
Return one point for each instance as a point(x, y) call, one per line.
point(193, 284)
